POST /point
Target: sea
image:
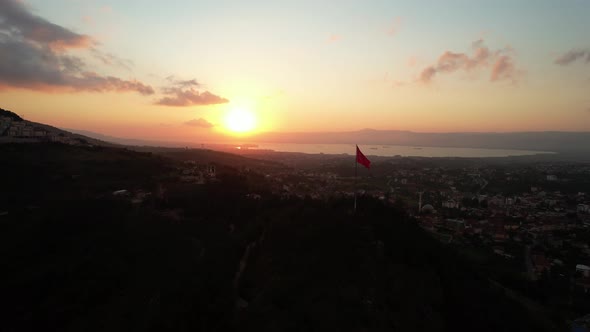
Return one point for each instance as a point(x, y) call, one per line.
point(392, 150)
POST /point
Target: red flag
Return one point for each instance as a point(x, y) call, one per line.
point(361, 159)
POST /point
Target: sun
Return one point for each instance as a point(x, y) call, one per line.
point(240, 120)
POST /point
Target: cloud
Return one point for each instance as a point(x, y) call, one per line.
point(413, 61)
point(17, 19)
point(501, 62)
point(395, 26)
point(200, 122)
point(111, 59)
point(182, 93)
point(571, 56)
point(34, 55)
point(427, 74)
point(183, 84)
point(502, 69)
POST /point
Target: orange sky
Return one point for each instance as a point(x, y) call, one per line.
point(174, 71)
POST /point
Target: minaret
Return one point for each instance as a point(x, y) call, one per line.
point(420, 201)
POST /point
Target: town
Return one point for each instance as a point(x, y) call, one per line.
point(526, 224)
point(523, 222)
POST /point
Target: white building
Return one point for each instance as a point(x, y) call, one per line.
point(584, 269)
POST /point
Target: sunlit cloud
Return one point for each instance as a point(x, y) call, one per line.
point(183, 93)
point(34, 55)
point(200, 122)
point(395, 27)
point(573, 55)
point(175, 83)
point(501, 63)
point(503, 69)
point(427, 74)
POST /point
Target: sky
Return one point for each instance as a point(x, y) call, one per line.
point(199, 70)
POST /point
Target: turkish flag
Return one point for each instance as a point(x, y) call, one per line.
point(361, 159)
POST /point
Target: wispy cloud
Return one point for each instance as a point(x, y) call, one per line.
point(183, 93)
point(413, 61)
point(503, 69)
point(394, 27)
point(35, 56)
point(200, 122)
point(110, 59)
point(501, 63)
point(572, 55)
point(388, 81)
point(175, 83)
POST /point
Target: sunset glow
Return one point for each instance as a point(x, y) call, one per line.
point(180, 70)
point(240, 120)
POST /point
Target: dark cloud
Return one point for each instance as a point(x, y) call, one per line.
point(18, 19)
point(501, 60)
point(33, 55)
point(189, 97)
point(200, 122)
point(571, 56)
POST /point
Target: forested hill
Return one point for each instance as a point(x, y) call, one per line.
point(210, 257)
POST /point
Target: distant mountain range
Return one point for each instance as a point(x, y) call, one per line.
point(573, 143)
point(553, 141)
point(569, 142)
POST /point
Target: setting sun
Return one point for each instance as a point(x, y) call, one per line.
point(240, 120)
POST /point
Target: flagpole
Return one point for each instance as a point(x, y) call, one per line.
point(355, 172)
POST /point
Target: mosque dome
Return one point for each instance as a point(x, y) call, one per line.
point(427, 208)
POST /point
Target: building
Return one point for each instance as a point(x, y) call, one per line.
point(583, 269)
point(450, 204)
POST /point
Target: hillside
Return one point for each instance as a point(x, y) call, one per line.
point(11, 115)
point(14, 129)
point(209, 257)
